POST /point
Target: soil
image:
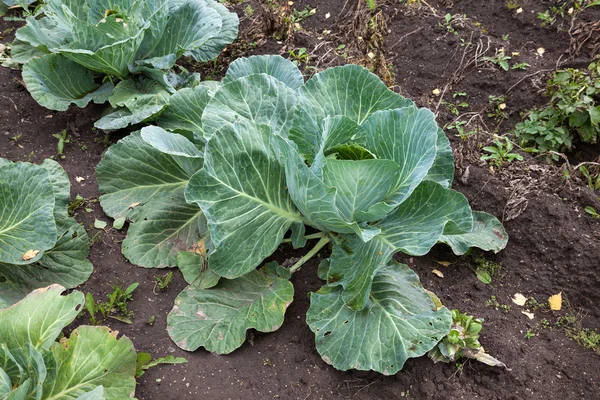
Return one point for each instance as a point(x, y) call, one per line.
point(553, 247)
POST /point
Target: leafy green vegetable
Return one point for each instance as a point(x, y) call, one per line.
point(259, 156)
point(39, 243)
point(120, 51)
point(91, 364)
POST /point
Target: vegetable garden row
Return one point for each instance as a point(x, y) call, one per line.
point(217, 177)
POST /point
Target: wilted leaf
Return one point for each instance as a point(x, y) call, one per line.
point(528, 314)
point(519, 299)
point(555, 302)
point(29, 254)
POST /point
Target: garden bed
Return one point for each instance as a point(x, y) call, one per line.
point(553, 247)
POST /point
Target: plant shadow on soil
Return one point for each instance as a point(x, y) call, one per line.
point(553, 244)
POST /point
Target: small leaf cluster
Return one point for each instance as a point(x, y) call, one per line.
point(573, 112)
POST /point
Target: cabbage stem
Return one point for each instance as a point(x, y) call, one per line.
point(320, 244)
point(317, 235)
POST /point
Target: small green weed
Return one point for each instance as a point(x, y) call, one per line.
point(163, 282)
point(493, 302)
point(592, 211)
point(487, 270)
point(573, 111)
point(499, 59)
point(500, 152)
point(63, 139)
point(115, 307)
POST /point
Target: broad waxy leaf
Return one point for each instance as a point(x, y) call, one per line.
point(184, 112)
point(258, 98)
point(91, 357)
point(60, 186)
point(193, 267)
point(39, 318)
point(149, 173)
point(442, 170)
point(407, 136)
point(134, 102)
point(414, 228)
point(276, 66)
point(229, 31)
point(400, 321)
point(65, 264)
point(163, 227)
point(52, 88)
point(241, 190)
point(218, 318)
point(189, 27)
point(27, 220)
point(170, 143)
point(351, 91)
point(488, 234)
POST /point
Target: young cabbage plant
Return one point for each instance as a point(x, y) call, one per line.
point(92, 364)
point(39, 243)
point(75, 52)
point(263, 154)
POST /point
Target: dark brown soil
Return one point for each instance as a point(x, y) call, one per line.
point(553, 247)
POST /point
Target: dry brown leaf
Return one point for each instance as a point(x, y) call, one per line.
point(29, 254)
point(438, 273)
point(528, 314)
point(519, 299)
point(555, 302)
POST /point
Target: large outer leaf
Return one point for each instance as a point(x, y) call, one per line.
point(259, 98)
point(26, 216)
point(242, 191)
point(218, 318)
point(278, 67)
point(487, 234)
point(170, 143)
point(50, 86)
point(414, 228)
point(442, 170)
point(93, 357)
point(399, 321)
point(60, 186)
point(65, 264)
point(351, 91)
point(184, 112)
point(188, 27)
point(133, 172)
point(39, 318)
point(228, 33)
point(163, 227)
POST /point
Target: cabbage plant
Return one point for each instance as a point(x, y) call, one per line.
point(39, 243)
point(340, 159)
point(92, 364)
point(76, 51)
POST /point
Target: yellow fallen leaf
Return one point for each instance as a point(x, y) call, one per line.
point(438, 273)
point(555, 302)
point(327, 16)
point(541, 51)
point(444, 263)
point(436, 92)
point(29, 254)
point(528, 314)
point(515, 54)
point(502, 106)
point(519, 299)
point(519, 10)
